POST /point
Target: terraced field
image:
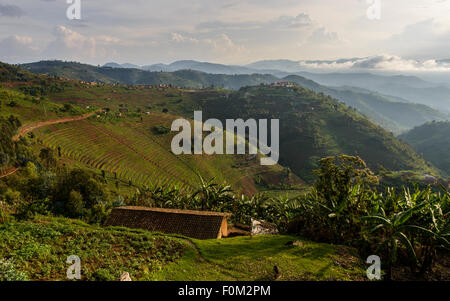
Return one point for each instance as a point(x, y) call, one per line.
point(143, 162)
point(130, 149)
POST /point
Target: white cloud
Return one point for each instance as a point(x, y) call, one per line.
point(17, 48)
point(181, 39)
point(380, 63)
point(71, 45)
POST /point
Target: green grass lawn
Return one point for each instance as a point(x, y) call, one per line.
point(253, 259)
point(38, 250)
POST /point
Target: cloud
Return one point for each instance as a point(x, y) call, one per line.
point(15, 48)
point(380, 63)
point(428, 39)
point(71, 45)
point(322, 36)
point(209, 47)
point(179, 38)
point(11, 11)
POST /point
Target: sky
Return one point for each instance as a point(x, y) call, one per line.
point(405, 35)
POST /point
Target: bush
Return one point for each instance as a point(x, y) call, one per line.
point(75, 205)
point(160, 129)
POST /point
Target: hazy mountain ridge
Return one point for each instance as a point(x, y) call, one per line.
point(392, 113)
point(408, 87)
point(432, 141)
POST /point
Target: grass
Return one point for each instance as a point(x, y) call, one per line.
point(38, 250)
point(253, 259)
point(130, 148)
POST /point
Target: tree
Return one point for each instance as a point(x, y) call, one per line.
point(75, 205)
point(48, 158)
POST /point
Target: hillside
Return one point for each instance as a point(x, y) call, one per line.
point(408, 87)
point(129, 76)
point(130, 140)
point(313, 126)
point(40, 252)
point(391, 113)
point(432, 141)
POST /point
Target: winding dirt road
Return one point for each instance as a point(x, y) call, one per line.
point(25, 129)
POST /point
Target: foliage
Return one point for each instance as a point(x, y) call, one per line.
point(343, 209)
point(8, 272)
point(40, 249)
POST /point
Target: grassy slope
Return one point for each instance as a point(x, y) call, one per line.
point(29, 108)
point(245, 258)
point(124, 145)
point(432, 140)
point(313, 126)
point(130, 148)
point(41, 247)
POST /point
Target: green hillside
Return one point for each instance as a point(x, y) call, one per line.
point(432, 141)
point(71, 151)
point(41, 249)
point(182, 78)
point(313, 126)
point(130, 140)
point(391, 113)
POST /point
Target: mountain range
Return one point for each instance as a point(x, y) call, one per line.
point(393, 113)
point(411, 88)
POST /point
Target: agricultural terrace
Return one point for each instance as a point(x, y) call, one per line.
point(135, 150)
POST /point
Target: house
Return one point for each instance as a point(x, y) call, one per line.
point(190, 223)
point(285, 84)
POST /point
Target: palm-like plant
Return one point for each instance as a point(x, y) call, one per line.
point(395, 231)
point(212, 195)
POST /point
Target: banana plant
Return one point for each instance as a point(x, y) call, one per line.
point(395, 233)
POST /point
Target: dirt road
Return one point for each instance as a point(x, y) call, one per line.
point(23, 130)
point(38, 124)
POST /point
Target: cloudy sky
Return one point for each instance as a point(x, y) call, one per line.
point(409, 34)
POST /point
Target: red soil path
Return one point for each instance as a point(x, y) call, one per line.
point(35, 125)
point(38, 124)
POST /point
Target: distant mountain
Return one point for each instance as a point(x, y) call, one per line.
point(394, 114)
point(411, 88)
point(126, 65)
point(189, 65)
point(182, 78)
point(432, 140)
point(291, 66)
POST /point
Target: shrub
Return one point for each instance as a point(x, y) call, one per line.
point(75, 205)
point(160, 129)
